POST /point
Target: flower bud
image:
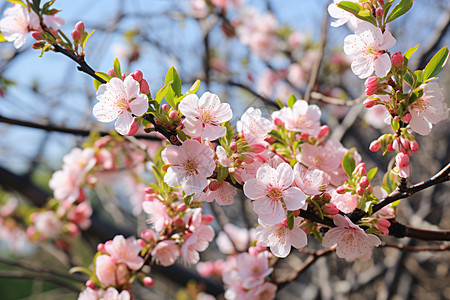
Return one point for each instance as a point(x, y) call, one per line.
point(375, 146)
point(148, 281)
point(214, 185)
point(173, 114)
point(326, 197)
point(253, 251)
point(364, 182)
point(80, 26)
point(141, 243)
point(145, 88)
point(402, 161)
point(414, 146)
point(233, 146)
point(360, 190)
point(304, 136)
point(258, 148)
point(278, 122)
point(112, 73)
point(324, 131)
point(38, 45)
point(389, 147)
point(382, 225)
point(166, 107)
point(381, 2)
point(206, 219)
point(133, 128)
point(76, 36)
point(407, 118)
point(397, 59)
point(101, 248)
point(371, 85)
point(330, 209)
point(360, 169)
point(341, 190)
point(148, 190)
point(369, 102)
point(148, 235)
point(137, 75)
point(379, 12)
point(91, 284)
point(36, 35)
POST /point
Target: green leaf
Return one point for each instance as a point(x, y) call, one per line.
point(47, 6)
point(194, 88)
point(386, 7)
point(66, 39)
point(44, 49)
point(290, 221)
point(230, 132)
point(436, 64)
point(399, 10)
point(81, 270)
point(395, 124)
point(2, 38)
point(411, 78)
point(117, 68)
point(181, 135)
point(187, 199)
point(277, 135)
point(348, 163)
point(103, 76)
point(97, 84)
point(171, 97)
point(410, 52)
point(222, 174)
point(280, 104)
point(162, 92)
point(389, 182)
point(85, 38)
point(172, 75)
point(371, 173)
point(355, 8)
point(291, 101)
point(17, 2)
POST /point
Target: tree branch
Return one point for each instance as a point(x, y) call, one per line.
point(416, 249)
point(23, 275)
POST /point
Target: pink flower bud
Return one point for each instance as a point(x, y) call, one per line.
point(304, 136)
point(137, 75)
point(379, 12)
point(133, 128)
point(173, 114)
point(402, 161)
point(324, 131)
point(148, 190)
point(397, 59)
point(371, 85)
point(253, 251)
point(369, 102)
point(330, 209)
point(112, 73)
point(341, 190)
point(148, 235)
point(375, 146)
point(414, 146)
point(141, 243)
point(360, 190)
point(76, 35)
point(148, 281)
point(80, 27)
point(364, 182)
point(389, 147)
point(91, 284)
point(278, 122)
point(382, 225)
point(214, 185)
point(145, 88)
point(360, 169)
point(407, 118)
point(326, 197)
point(101, 248)
point(181, 207)
point(36, 35)
point(206, 219)
point(233, 146)
point(258, 148)
point(166, 107)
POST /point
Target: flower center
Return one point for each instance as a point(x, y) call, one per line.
point(275, 193)
point(190, 166)
point(371, 50)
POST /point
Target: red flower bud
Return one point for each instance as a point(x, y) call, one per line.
point(206, 219)
point(375, 146)
point(369, 102)
point(148, 281)
point(76, 35)
point(364, 182)
point(137, 75)
point(36, 35)
point(379, 12)
point(414, 146)
point(397, 59)
point(91, 284)
point(145, 88)
point(371, 85)
point(407, 118)
point(80, 27)
point(173, 114)
point(324, 131)
point(341, 190)
point(330, 209)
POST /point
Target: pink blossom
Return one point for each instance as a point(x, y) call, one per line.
point(196, 242)
point(80, 215)
point(325, 157)
point(253, 269)
point(402, 161)
point(369, 45)
point(88, 294)
point(222, 156)
point(241, 238)
point(166, 252)
point(311, 182)
point(48, 224)
point(253, 126)
point(350, 240)
point(107, 271)
point(125, 251)
point(342, 15)
point(280, 238)
point(302, 117)
point(190, 165)
point(112, 294)
point(344, 202)
point(204, 116)
point(16, 24)
point(53, 21)
point(270, 189)
point(265, 291)
point(224, 194)
point(377, 116)
point(430, 109)
point(296, 75)
point(120, 100)
point(159, 215)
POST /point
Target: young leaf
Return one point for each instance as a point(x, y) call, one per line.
point(348, 163)
point(81, 270)
point(162, 92)
point(410, 52)
point(194, 87)
point(291, 101)
point(171, 97)
point(290, 221)
point(103, 76)
point(172, 75)
point(2, 38)
point(230, 132)
point(371, 173)
point(17, 2)
point(181, 135)
point(97, 84)
point(355, 9)
point(399, 10)
point(84, 40)
point(222, 174)
point(436, 64)
point(117, 68)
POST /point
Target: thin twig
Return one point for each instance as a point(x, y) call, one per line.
point(416, 249)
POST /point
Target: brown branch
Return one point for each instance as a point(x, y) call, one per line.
point(74, 131)
point(337, 101)
point(316, 68)
point(23, 275)
point(264, 99)
point(416, 249)
point(291, 277)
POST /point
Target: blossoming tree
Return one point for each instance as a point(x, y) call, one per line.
point(177, 151)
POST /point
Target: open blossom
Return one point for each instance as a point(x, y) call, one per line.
point(310, 181)
point(369, 45)
point(197, 242)
point(159, 215)
point(189, 166)
point(48, 224)
point(120, 100)
point(350, 240)
point(204, 116)
point(429, 109)
point(166, 252)
point(344, 202)
point(107, 271)
point(268, 189)
point(302, 117)
point(280, 238)
point(16, 24)
point(253, 269)
point(125, 251)
point(110, 294)
point(224, 194)
point(253, 126)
